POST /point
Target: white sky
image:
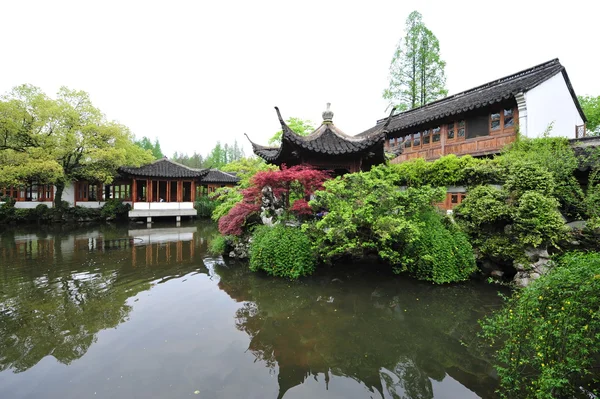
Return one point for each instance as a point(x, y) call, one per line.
point(194, 72)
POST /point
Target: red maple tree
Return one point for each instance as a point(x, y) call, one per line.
point(287, 183)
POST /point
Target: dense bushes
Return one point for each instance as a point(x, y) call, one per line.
point(439, 253)
point(281, 251)
point(111, 210)
point(367, 214)
point(205, 206)
point(549, 333)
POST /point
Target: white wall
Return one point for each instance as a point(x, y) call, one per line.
point(32, 204)
point(68, 193)
point(551, 101)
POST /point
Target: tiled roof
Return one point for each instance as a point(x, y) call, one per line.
point(326, 139)
point(217, 176)
point(478, 97)
point(164, 168)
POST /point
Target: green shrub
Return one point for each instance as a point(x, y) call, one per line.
point(217, 245)
point(439, 254)
point(205, 206)
point(367, 214)
point(81, 213)
point(114, 209)
point(537, 220)
point(281, 251)
point(548, 334)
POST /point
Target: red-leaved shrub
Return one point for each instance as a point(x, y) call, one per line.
point(297, 181)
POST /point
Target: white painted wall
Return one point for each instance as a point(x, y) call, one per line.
point(68, 193)
point(32, 204)
point(548, 102)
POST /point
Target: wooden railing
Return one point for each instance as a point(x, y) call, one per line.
point(580, 131)
point(477, 146)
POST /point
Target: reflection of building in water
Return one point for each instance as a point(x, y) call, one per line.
point(27, 248)
point(162, 245)
point(147, 246)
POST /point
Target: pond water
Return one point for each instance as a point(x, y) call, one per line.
point(130, 312)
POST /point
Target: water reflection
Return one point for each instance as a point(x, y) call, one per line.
point(400, 338)
point(151, 312)
point(58, 291)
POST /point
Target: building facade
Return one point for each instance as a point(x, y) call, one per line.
point(481, 121)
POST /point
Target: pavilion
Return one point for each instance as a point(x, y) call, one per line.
point(326, 148)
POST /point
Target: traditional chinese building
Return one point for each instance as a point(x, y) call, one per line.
point(482, 120)
point(326, 148)
point(163, 188)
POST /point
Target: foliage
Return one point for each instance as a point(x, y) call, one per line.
point(439, 254)
point(219, 156)
point(288, 185)
point(448, 170)
point(556, 156)
point(548, 333)
point(217, 245)
point(591, 109)
point(416, 72)
point(367, 214)
point(502, 223)
point(82, 214)
point(154, 148)
point(281, 251)
point(69, 136)
point(205, 206)
point(299, 126)
point(114, 209)
point(227, 197)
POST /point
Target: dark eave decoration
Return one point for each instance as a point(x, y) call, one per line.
point(164, 168)
point(219, 177)
point(494, 92)
point(326, 140)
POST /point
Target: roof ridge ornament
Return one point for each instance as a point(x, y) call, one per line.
point(328, 115)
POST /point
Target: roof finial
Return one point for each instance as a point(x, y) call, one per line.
point(327, 114)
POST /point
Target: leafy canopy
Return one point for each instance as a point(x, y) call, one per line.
point(591, 109)
point(299, 126)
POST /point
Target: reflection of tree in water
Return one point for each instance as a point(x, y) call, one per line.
point(376, 332)
point(54, 300)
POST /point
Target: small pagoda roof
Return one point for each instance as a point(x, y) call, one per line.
point(218, 176)
point(327, 139)
point(487, 94)
point(164, 167)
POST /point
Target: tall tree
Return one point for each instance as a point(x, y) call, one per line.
point(299, 126)
point(154, 148)
point(68, 135)
point(591, 109)
point(416, 72)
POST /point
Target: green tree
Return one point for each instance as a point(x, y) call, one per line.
point(299, 126)
point(68, 135)
point(591, 109)
point(416, 72)
point(146, 144)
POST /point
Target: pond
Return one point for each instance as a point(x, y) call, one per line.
point(131, 312)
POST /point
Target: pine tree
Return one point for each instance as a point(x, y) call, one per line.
point(416, 72)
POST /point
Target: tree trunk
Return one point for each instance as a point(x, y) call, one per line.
point(60, 187)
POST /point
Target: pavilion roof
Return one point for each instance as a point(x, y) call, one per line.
point(164, 167)
point(327, 139)
point(218, 176)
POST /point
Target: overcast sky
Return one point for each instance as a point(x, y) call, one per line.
point(194, 72)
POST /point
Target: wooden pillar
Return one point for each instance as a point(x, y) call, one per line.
point(193, 193)
point(179, 191)
point(444, 136)
point(168, 199)
point(134, 193)
point(149, 190)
